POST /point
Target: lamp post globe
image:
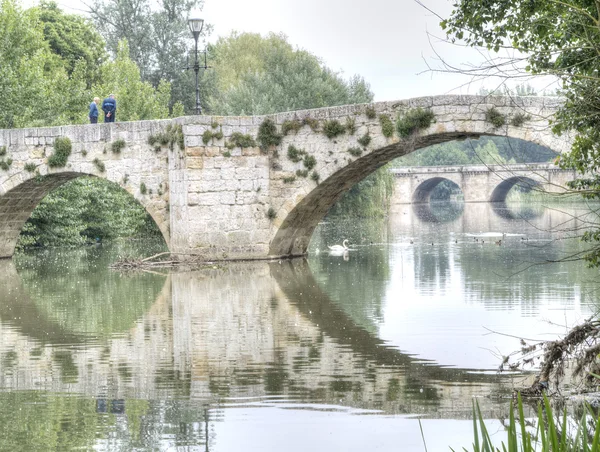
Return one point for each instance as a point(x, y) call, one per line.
point(196, 25)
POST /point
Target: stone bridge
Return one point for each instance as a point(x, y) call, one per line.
point(478, 183)
point(247, 187)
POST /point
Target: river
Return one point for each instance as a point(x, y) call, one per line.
point(381, 347)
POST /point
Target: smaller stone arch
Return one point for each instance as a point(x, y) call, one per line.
point(17, 204)
point(422, 193)
point(501, 190)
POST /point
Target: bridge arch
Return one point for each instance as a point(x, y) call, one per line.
point(302, 212)
point(17, 204)
point(501, 191)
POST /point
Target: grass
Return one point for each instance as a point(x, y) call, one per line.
point(62, 151)
point(413, 121)
point(495, 118)
point(333, 128)
point(118, 145)
point(551, 434)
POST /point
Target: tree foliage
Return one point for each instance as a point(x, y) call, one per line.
point(86, 210)
point(559, 38)
point(260, 75)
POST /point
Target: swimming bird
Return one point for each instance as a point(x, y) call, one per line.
point(342, 247)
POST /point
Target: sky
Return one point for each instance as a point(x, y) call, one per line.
point(391, 43)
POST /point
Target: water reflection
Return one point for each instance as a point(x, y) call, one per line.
point(92, 358)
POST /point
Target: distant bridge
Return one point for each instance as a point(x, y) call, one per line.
point(478, 183)
point(215, 193)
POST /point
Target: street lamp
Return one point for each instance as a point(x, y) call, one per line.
point(196, 25)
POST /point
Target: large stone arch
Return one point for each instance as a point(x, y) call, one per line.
point(456, 118)
point(17, 204)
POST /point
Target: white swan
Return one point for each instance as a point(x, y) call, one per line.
point(339, 248)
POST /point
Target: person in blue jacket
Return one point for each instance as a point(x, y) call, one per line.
point(109, 106)
point(94, 111)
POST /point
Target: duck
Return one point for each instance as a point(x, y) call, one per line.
point(499, 242)
point(339, 248)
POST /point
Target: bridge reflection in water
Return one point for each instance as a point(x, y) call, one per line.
point(150, 357)
point(245, 330)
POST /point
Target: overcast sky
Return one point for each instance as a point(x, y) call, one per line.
point(388, 42)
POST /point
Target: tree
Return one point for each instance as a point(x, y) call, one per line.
point(83, 211)
point(256, 75)
point(158, 38)
point(136, 99)
point(30, 74)
point(74, 40)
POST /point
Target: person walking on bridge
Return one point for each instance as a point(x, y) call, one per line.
point(109, 106)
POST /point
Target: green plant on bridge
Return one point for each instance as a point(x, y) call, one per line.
point(62, 151)
point(268, 135)
point(365, 140)
point(118, 146)
point(370, 113)
point(414, 120)
point(6, 164)
point(309, 162)
point(2, 151)
point(315, 176)
point(291, 125)
point(30, 167)
point(494, 117)
point(355, 151)
point(333, 128)
point(240, 140)
point(312, 123)
point(302, 173)
point(143, 189)
point(519, 119)
point(289, 179)
point(271, 214)
point(351, 125)
point(387, 126)
point(99, 165)
point(172, 135)
point(295, 154)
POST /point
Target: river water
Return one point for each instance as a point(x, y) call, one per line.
point(382, 347)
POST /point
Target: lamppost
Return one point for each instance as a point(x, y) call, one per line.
point(196, 25)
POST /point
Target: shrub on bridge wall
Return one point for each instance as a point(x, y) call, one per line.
point(315, 176)
point(295, 154)
point(5, 164)
point(351, 125)
point(62, 151)
point(519, 119)
point(312, 123)
point(364, 140)
point(302, 173)
point(143, 189)
point(413, 121)
point(268, 135)
point(99, 165)
point(2, 151)
point(494, 117)
point(30, 167)
point(172, 135)
point(291, 125)
point(355, 151)
point(289, 179)
point(271, 214)
point(333, 128)
point(239, 140)
point(309, 162)
point(387, 126)
point(370, 113)
point(118, 145)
